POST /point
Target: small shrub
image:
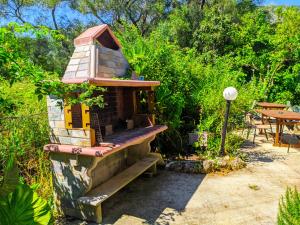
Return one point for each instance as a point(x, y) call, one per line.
point(232, 145)
point(289, 208)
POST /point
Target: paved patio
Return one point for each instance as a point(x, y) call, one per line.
point(248, 196)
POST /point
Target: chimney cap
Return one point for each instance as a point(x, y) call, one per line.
point(101, 33)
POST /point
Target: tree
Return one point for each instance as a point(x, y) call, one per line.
point(143, 14)
point(14, 9)
point(52, 5)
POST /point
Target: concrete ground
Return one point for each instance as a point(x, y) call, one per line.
point(248, 196)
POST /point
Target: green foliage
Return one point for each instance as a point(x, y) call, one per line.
point(158, 59)
point(20, 204)
point(15, 65)
point(14, 62)
point(143, 15)
point(289, 208)
point(231, 44)
point(24, 206)
point(23, 133)
point(232, 145)
point(71, 93)
point(10, 179)
point(188, 85)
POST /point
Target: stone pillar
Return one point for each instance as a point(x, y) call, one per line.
point(58, 132)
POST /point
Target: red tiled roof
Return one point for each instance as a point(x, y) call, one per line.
point(88, 36)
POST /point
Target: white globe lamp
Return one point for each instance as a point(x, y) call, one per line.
point(230, 94)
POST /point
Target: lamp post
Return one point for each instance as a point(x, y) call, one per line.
point(229, 94)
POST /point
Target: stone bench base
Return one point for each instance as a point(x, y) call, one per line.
point(90, 204)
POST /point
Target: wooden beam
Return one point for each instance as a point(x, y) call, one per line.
point(151, 102)
point(134, 100)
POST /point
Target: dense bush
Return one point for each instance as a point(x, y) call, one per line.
point(189, 86)
point(251, 50)
point(24, 132)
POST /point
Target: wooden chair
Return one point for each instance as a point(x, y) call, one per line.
point(291, 136)
point(253, 123)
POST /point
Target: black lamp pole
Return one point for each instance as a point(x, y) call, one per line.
point(222, 151)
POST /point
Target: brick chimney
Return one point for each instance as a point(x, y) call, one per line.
point(97, 54)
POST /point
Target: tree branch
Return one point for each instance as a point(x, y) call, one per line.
point(94, 12)
point(53, 17)
point(202, 3)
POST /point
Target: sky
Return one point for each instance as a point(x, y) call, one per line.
point(282, 2)
point(65, 14)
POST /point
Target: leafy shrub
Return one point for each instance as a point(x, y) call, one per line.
point(19, 203)
point(196, 60)
point(23, 206)
point(289, 208)
point(190, 87)
point(23, 133)
point(232, 145)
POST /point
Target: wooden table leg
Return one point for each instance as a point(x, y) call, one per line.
point(262, 122)
point(280, 132)
point(277, 133)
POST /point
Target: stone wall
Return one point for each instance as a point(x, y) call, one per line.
point(58, 133)
point(79, 64)
point(111, 63)
point(108, 63)
point(108, 167)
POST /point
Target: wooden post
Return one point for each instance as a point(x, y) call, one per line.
point(277, 133)
point(151, 98)
point(134, 102)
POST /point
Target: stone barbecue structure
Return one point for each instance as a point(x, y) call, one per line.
point(92, 60)
point(97, 151)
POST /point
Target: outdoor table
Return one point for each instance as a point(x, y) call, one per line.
point(269, 105)
point(282, 117)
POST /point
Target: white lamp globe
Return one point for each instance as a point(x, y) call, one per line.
point(230, 93)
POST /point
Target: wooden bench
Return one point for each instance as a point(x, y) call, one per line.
point(95, 197)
